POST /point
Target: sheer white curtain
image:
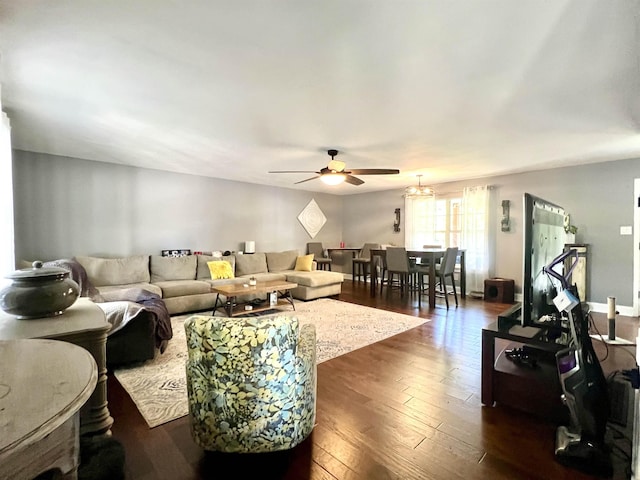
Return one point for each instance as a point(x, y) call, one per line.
point(7, 253)
point(419, 221)
point(475, 235)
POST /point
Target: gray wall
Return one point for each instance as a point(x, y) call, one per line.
point(66, 206)
point(599, 198)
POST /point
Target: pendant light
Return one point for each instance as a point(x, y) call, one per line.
point(419, 190)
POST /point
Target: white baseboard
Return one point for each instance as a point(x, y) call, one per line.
point(627, 311)
point(617, 341)
point(603, 308)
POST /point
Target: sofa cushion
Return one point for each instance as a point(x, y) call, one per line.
point(220, 269)
point(172, 268)
point(111, 293)
point(317, 278)
point(250, 264)
point(116, 271)
point(203, 272)
point(304, 263)
point(267, 277)
point(280, 261)
point(225, 281)
point(179, 288)
point(190, 303)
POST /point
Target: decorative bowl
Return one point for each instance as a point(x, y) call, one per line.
point(39, 292)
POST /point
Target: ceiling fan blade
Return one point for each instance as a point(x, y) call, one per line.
point(353, 180)
point(374, 171)
point(312, 178)
point(292, 171)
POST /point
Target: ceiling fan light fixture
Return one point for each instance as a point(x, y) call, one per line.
point(333, 178)
point(335, 173)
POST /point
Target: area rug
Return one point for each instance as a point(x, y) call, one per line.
point(158, 386)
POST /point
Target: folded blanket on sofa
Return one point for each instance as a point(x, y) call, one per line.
point(120, 313)
point(145, 299)
point(121, 306)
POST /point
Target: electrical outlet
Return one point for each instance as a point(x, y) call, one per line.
point(626, 230)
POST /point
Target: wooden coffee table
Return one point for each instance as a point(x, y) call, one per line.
point(281, 289)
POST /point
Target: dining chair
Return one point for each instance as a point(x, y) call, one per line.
point(316, 248)
point(398, 263)
point(360, 263)
point(384, 271)
point(381, 265)
point(445, 269)
point(428, 247)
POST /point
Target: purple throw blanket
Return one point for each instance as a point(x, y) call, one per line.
point(79, 275)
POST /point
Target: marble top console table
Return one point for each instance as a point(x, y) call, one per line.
point(83, 324)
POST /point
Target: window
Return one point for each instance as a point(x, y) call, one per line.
point(448, 227)
point(433, 221)
point(453, 221)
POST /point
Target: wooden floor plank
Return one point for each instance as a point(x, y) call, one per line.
point(404, 408)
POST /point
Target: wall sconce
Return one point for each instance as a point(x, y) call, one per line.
point(505, 224)
point(396, 224)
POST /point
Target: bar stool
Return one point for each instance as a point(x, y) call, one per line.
point(323, 263)
point(447, 269)
point(398, 264)
point(360, 264)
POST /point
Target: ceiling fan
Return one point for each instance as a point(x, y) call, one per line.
point(334, 173)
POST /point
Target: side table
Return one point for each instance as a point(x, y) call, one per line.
point(533, 390)
point(499, 290)
point(40, 397)
point(83, 324)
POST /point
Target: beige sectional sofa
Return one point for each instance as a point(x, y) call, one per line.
point(184, 283)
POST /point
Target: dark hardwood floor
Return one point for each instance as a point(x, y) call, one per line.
point(404, 408)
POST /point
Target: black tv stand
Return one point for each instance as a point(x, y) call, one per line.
point(504, 381)
point(510, 317)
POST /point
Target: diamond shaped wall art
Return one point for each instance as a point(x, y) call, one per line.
point(312, 218)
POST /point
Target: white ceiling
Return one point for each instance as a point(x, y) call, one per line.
point(232, 89)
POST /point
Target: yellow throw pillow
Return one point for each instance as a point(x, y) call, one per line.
point(220, 269)
point(304, 263)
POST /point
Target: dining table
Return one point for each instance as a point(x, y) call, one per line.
point(430, 256)
point(351, 250)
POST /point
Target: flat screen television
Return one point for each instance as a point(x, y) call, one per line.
point(581, 444)
point(544, 240)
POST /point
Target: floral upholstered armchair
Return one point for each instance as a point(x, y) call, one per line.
point(251, 382)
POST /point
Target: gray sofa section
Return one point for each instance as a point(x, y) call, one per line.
point(185, 283)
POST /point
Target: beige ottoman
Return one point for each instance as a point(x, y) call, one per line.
point(315, 284)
